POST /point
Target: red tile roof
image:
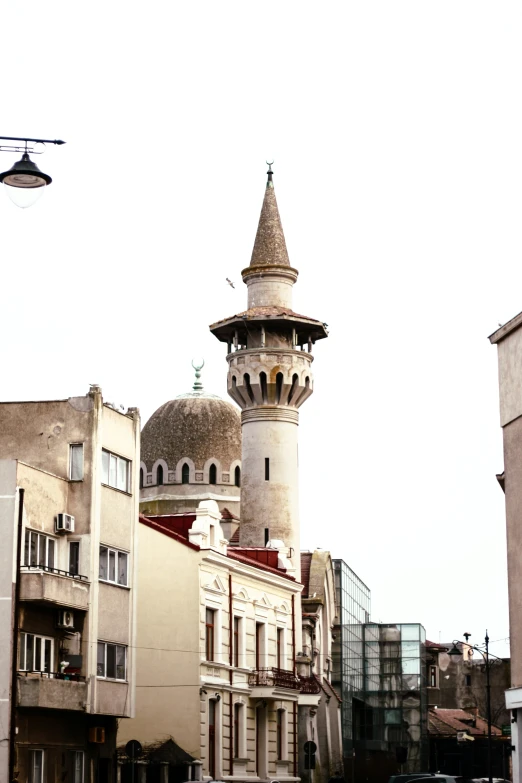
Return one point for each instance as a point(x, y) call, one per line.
point(306, 561)
point(177, 527)
point(226, 514)
point(234, 541)
point(441, 721)
point(157, 525)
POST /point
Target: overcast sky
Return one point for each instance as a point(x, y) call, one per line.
point(395, 128)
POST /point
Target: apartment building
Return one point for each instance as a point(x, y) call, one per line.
point(216, 653)
point(68, 522)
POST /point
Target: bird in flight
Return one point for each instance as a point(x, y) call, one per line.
point(231, 284)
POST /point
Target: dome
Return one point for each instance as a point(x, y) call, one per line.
point(199, 426)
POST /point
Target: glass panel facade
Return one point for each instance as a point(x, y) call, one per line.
point(380, 673)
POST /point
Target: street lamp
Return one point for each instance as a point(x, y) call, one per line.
point(24, 182)
point(486, 655)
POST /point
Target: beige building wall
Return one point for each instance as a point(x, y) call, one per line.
point(168, 651)
point(509, 344)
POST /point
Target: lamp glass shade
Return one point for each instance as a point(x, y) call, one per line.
point(24, 197)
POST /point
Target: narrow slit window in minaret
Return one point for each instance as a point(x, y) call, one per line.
point(267, 535)
point(264, 391)
point(159, 476)
point(237, 476)
point(212, 474)
point(279, 387)
point(295, 379)
point(141, 478)
point(267, 469)
point(248, 387)
point(185, 473)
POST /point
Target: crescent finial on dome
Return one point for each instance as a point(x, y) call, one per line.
point(198, 365)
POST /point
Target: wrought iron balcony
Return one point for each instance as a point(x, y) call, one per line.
point(310, 684)
point(274, 678)
point(53, 675)
point(50, 570)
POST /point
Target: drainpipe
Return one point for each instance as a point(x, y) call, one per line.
point(295, 739)
point(231, 660)
point(293, 630)
point(14, 659)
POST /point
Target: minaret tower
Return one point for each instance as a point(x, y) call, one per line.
point(270, 358)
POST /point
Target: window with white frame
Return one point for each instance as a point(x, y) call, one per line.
point(78, 766)
point(40, 550)
point(112, 661)
point(36, 766)
point(76, 461)
point(113, 566)
point(115, 471)
point(36, 653)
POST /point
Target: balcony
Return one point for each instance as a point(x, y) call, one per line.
point(272, 683)
point(310, 691)
point(52, 690)
point(52, 586)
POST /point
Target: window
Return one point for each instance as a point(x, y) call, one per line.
point(212, 738)
point(468, 679)
point(78, 766)
point(279, 735)
point(433, 676)
point(185, 473)
point(113, 566)
point(209, 634)
point(237, 626)
point(141, 478)
point(36, 766)
point(39, 550)
point(76, 461)
point(212, 474)
point(36, 653)
point(112, 661)
point(267, 469)
point(115, 471)
point(74, 558)
point(260, 645)
point(280, 648)
point(159, 475)
point(237, 476)
point(238, 731)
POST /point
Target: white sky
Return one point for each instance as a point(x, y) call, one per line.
point(395, 127)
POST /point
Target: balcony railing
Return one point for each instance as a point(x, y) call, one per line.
point(50, 570)
point(53, 676)
point(310, 684)
point(274, 678)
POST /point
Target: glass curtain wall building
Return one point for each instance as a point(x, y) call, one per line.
point(380, 673)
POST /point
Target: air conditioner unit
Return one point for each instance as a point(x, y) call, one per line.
point(65, 619)
point(64, 523)
point(97, 734)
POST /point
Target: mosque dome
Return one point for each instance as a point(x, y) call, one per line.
point(196, 427)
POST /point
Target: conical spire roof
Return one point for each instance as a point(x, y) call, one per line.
point(270, 246)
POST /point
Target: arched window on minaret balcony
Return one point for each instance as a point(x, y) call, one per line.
point(237, 476)
point(212, 474)
point(159, 475)
point(185, 473)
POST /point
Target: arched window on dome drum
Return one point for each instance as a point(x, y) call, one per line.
point(141, 478)
point(185, 473)
point(237, 476)
point(159, 475)
point(212, 474)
